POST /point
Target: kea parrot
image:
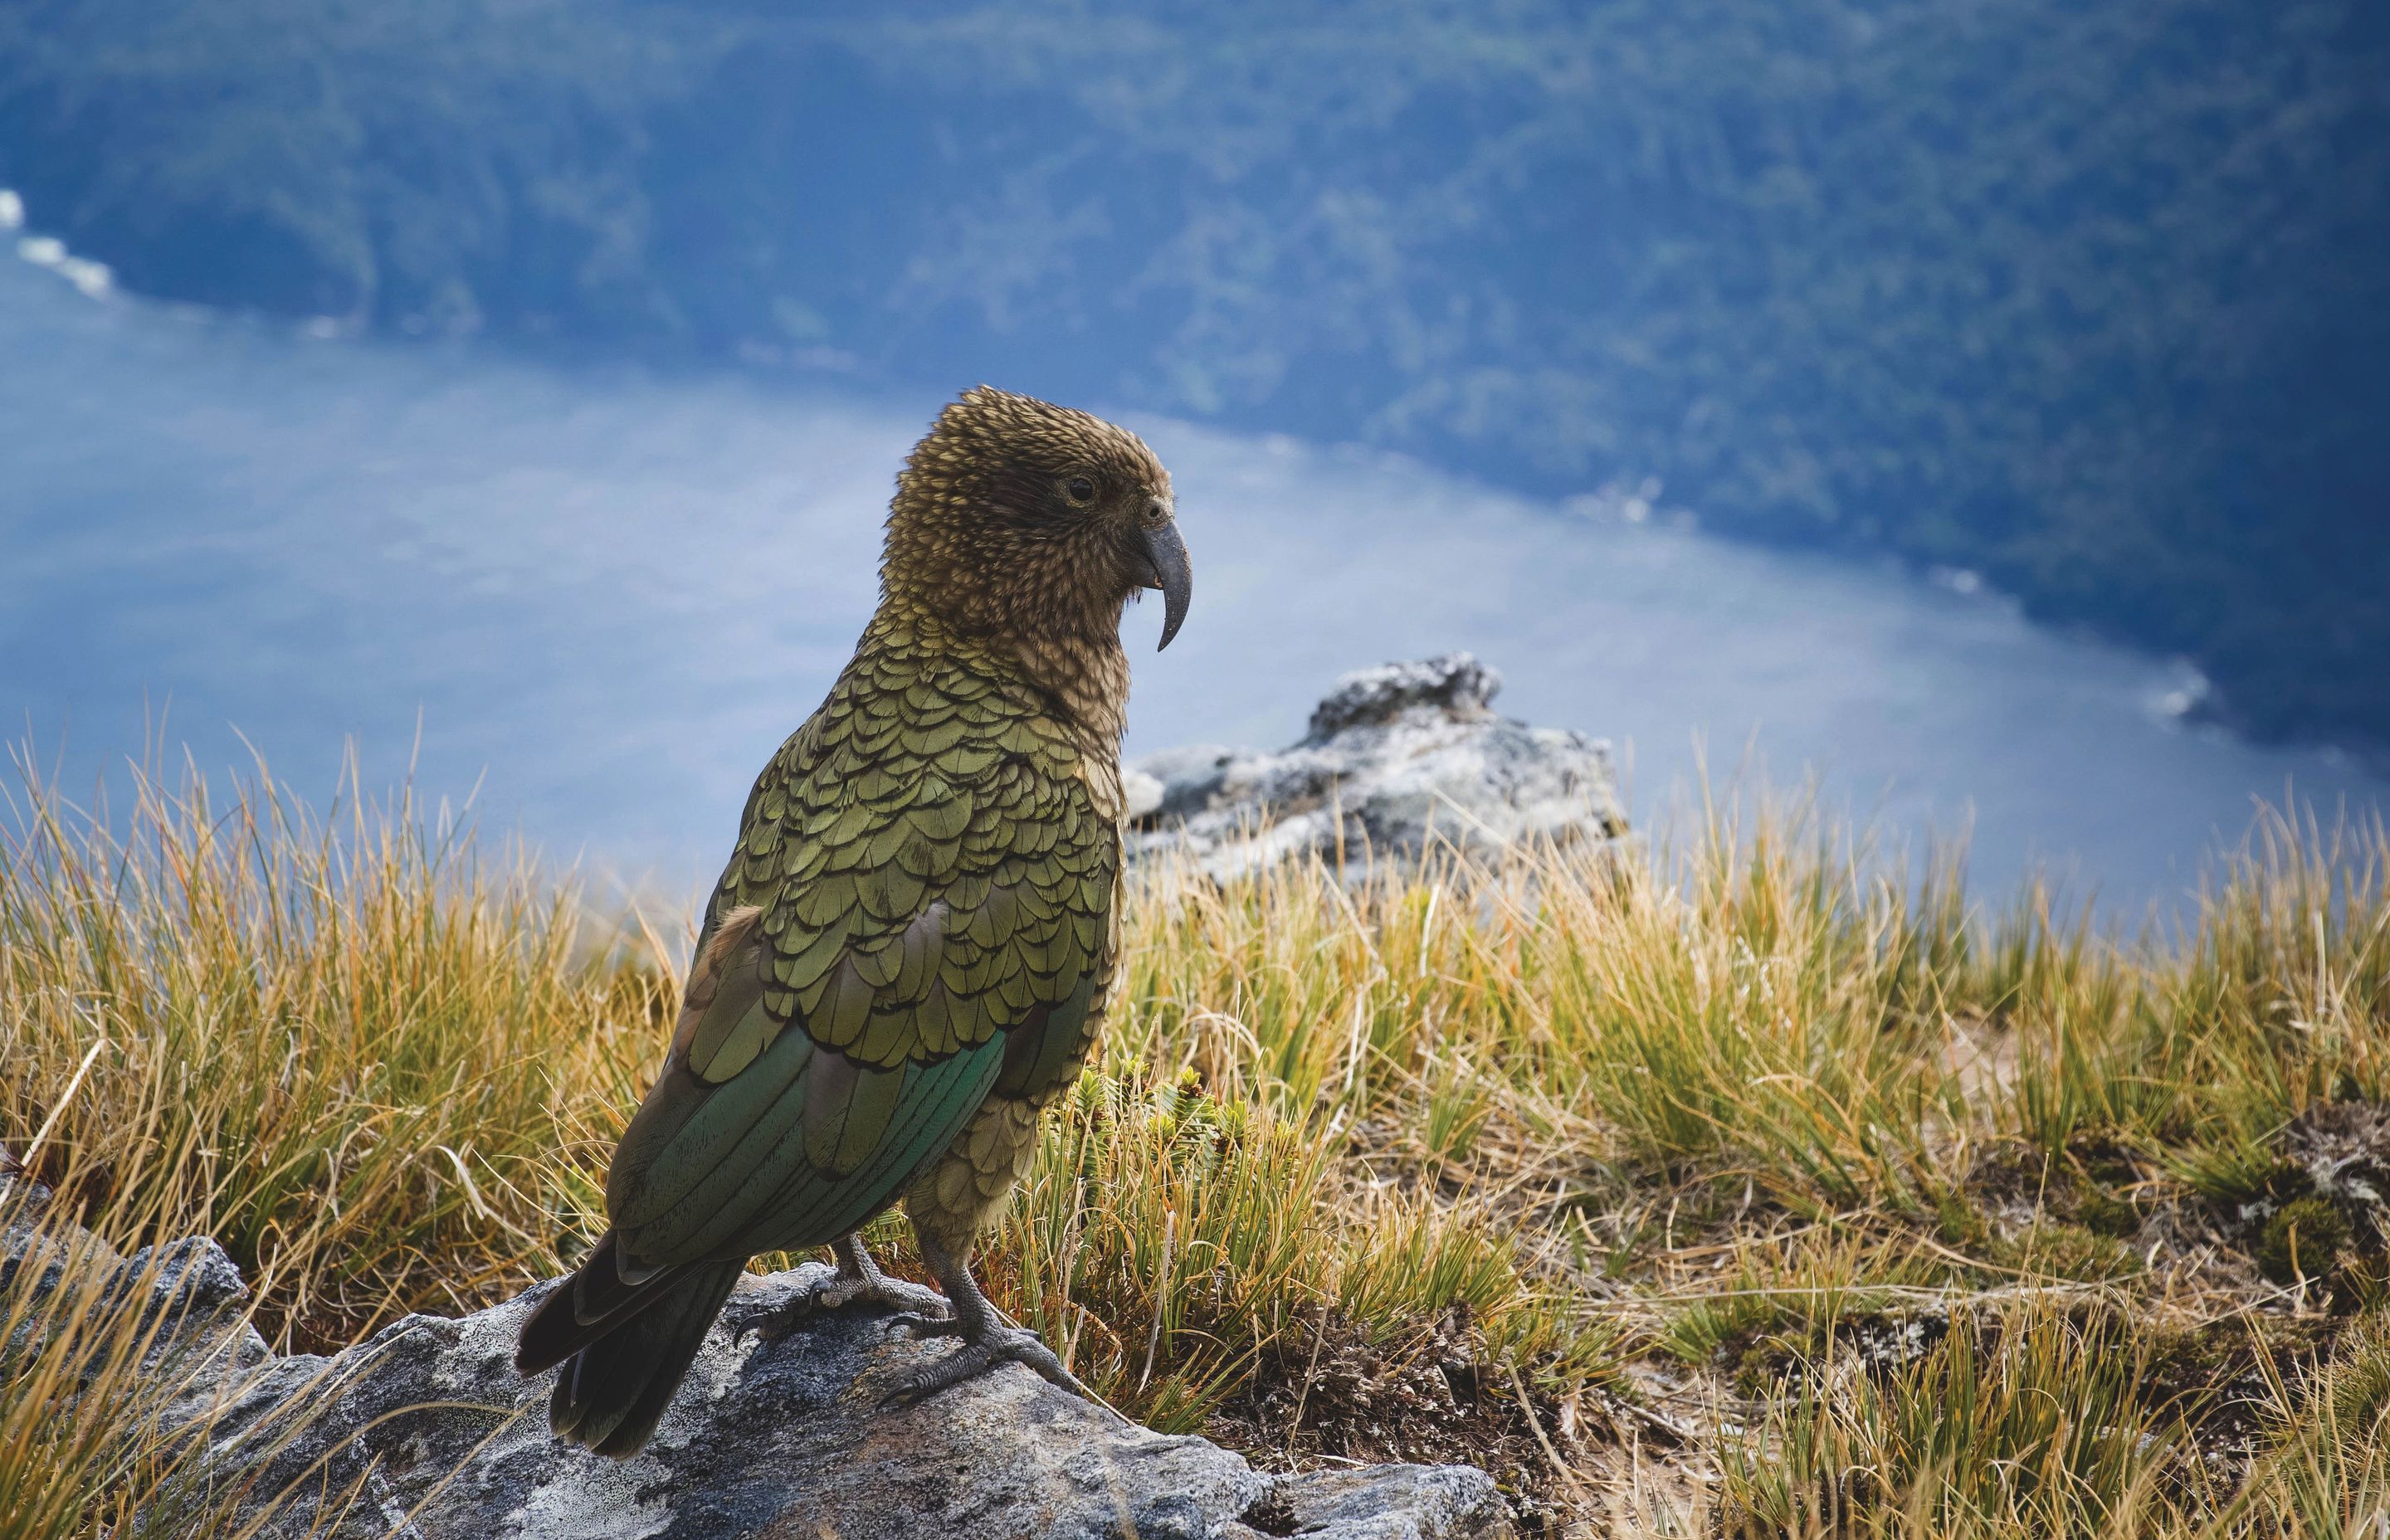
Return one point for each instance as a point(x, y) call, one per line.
point(912, 946)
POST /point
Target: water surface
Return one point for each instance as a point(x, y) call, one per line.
point(602, 597)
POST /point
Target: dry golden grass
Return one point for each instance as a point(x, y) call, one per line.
point(1746, 1182)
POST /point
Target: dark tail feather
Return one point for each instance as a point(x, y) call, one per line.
point(611, 1394)
point(590, 1304)
point(625, 1346)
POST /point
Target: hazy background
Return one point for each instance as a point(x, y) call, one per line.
point(1979, 400)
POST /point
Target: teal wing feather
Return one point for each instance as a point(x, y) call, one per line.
point(917, 915)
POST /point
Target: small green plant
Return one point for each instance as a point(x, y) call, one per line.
point(1459, 1103)
point(2056, 1248)
point(2302, 1239)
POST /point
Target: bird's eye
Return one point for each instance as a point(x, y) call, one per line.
point(1080, 490)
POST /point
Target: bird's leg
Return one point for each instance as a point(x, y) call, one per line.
point(987, 1337)
point(858, 1279)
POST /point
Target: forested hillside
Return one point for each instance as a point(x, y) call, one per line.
point(2092, 297)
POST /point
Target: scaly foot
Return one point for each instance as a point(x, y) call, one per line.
point(981, 1351)
point(858, 1281)
point(987, 1337)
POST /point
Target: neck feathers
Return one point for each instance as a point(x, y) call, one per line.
point(1088, 676)
point(1080, 668)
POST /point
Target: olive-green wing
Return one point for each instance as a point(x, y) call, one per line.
point(918, 950)
point(732, 1171)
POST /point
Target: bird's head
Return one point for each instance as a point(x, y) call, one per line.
point(1021, 521)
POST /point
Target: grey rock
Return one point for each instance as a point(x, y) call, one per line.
point(1385, 1502)
point(1455, 684)
point(426, 1432)
point(1396, 759)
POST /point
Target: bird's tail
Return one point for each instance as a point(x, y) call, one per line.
point(624, 1347)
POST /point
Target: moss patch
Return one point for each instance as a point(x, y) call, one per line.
point(2302, 1240)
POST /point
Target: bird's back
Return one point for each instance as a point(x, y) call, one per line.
point(919, 913)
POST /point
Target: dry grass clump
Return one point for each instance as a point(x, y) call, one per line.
point(348, 1048)
point(1752, 1182)
point(113, 1422)
point(66, 1468)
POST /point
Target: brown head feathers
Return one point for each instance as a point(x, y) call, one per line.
point(1028, 525)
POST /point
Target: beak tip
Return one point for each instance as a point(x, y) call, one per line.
point(1171, 574)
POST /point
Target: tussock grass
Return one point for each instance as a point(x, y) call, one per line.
point(114, 1421)
point(66, 1468)
point(1748, 1179)
point(348, 1048)
point(2032, 1422)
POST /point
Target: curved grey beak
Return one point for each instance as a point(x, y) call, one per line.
point(1167, 555)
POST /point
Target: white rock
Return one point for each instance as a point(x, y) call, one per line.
point(1398, 758)
point(1142, 792)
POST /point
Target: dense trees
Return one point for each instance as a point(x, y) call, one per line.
point(2089, 294)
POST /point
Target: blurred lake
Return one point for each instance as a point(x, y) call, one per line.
point(601, 596)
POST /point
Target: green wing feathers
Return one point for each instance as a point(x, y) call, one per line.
point(918, 912)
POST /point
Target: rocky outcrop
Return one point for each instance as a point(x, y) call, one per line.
point(1396, 759)
point(425, 1432)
